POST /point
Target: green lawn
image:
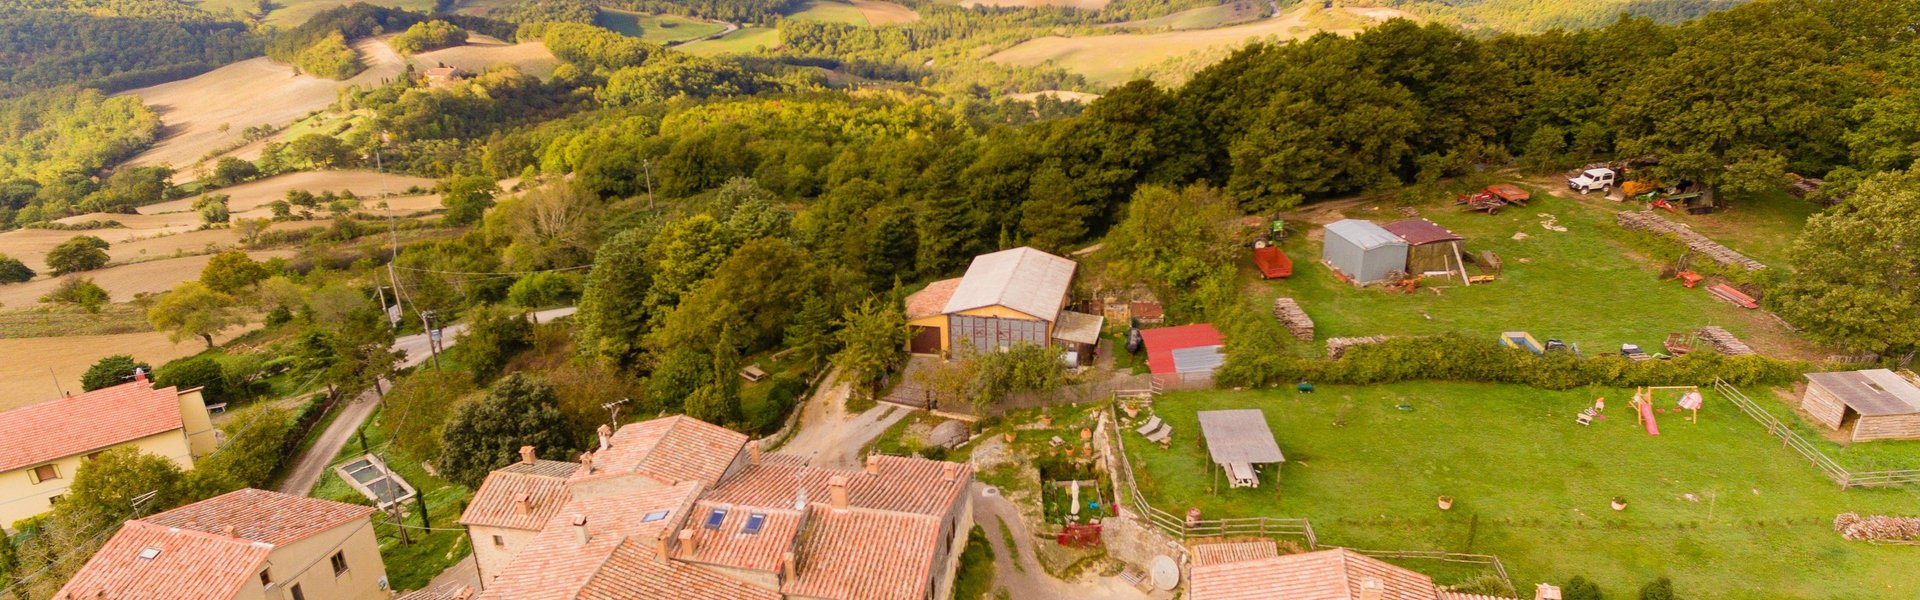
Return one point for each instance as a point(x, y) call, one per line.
point(832, 12)
point(409, 566)
point(658, 29)
point(975, 579)
point(1762, 227)
point(1533, 487)
point(1582, 286)
point(746, 39)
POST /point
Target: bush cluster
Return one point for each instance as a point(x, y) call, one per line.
point(1460, 358)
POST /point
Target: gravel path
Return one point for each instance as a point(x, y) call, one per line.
point(828, 435)
point(1018, 571)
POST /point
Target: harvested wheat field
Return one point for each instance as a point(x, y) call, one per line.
point(245, 94)
point(880, 12)
point(482, 52)
point(1114, 59)
point(1081, 4)
point(124, 281)
point(252, 195)
point(25, 377)
point(1062, 95)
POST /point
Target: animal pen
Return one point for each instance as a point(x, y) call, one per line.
point(1238, 442)
point(1878, 404)
point(1432, 250)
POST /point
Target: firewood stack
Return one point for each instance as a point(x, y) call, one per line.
point(1722, 341)
point(1337, 347)
point(1295, 319)
point(1877, 528)
point(1647, 221)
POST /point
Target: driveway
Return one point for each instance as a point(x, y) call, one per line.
point(828, 435)
point(312, 465)
point(1018, 570)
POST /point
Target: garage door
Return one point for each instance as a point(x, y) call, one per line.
point(926, 340)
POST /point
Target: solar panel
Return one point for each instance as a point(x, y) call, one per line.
point(714, 518)
point(754, 521)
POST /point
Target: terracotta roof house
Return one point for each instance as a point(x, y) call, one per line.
point(678, 508)
point(42, 445)
point(246, 544)
point(1257, 571)
point(1005, 298)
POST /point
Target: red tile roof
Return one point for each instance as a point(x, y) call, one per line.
point(672, 450)
point(1227, 552)
point(1162, 341)
point(910, 485)
point(931, 300)
point(188, 565)
point(262, 516)
point(1325, 575)
point(496, 503)
point(864, 555)
point(84, 423)
point(730, 545)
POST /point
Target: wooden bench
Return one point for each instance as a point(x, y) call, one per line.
point(215, 409)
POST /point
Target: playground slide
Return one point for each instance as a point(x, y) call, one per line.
point(1646, 418)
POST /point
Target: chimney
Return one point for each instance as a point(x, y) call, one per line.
point(753, 453)
point(229, 531)
point(580, 529)
point(688, 541)
point(837, 486)
point(1372, 588)
point(463, 594)
point(606, 437)
point(522, 504)
point(789, 565)
point(140, 374)
point(873, 464)
point(586, 460)
point(526, 455)
point(1546, 591)
point(949, 471)
point(663, 546)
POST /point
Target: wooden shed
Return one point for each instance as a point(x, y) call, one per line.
point(1431, 249)
point(1877, 404)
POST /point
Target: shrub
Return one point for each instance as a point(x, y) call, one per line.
point(493, 336)
point(78, 253)
point(1459, 358)
point(427, 398)
point(428, 35)
point(252, 452)
point(194, 371)
point(1581, 589)
point(544, 289)
point(78, 291)
point(13, 271)
point(111, 371)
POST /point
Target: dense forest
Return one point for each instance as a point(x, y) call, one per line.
point(319, 46)
point(40, 49)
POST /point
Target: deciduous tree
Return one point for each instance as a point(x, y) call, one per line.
point(111, 371)
point(487, 433)
point(1856, 283)
point(872, 341)
point(78, 253)
point(192, 309)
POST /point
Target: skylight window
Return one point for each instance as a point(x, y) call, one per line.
point(149, 553)
point(754, 521)
point(714, 518)
point(654, 516)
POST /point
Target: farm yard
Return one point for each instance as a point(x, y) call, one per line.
point(1591, 285)
point(658, 29)
point(1719, 506)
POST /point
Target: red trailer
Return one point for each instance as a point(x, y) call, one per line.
point(1273, 263)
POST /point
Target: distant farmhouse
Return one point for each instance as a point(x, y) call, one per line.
point(43, 445)
point(679, 508)
point(250, 544)
point(1006, 298)
point(1255, 570)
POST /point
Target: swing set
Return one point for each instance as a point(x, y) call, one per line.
point(1642, 403)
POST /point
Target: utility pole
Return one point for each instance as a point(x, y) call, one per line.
point(433, 336)
point(646, 165)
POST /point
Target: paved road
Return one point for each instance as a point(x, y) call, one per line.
point(313, 465)
point(1018, 571)
point(828, 435)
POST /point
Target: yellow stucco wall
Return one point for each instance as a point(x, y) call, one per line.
point(20, 497)
point(934, 321)
point(199, 426)
point(494, 558)
point(308, 563)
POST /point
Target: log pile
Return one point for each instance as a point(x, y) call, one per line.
point(1337, 347)
point(1296, 320)
point(1879, 528)
point(1722, 341)
point(1647, 221)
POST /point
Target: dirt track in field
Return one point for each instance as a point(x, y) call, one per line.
point(482, 52)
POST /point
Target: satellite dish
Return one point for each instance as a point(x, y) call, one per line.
point(1166, 573)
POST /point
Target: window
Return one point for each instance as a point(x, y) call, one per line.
point(716, 517)
point(654, 516)
point(339, 563)
point(499, 541)
point(754, 521)
point(149, 553)
point(297, 594)
point(266, 579)
point(45, 473)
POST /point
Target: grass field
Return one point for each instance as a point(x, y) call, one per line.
point(481, 53)
point(746, 39)
point(1532, 487)
point(1583, 286)
point(1209, 17)
point(1113, 59)
point(1763, 228)
point(831, 12)
point(659, 29)
point(288, 13)
point(880, 12)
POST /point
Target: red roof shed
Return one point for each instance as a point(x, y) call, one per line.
point(1163, 342)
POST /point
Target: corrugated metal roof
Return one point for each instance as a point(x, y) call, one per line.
point(1420, 232)
point(1162, 342)
point(1023, 279)
point(1079, 328)
point(1364, 234)
point(1239, 436)
point(1203, 359)
point(1873, 392)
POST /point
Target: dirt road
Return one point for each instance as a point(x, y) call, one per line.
point(828, 435)
point(1018, 570)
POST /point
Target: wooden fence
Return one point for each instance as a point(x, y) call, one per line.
point(1792, 440)
point(1488, 560)
point(1177, 526)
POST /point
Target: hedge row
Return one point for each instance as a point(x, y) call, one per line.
point(1459, 358)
